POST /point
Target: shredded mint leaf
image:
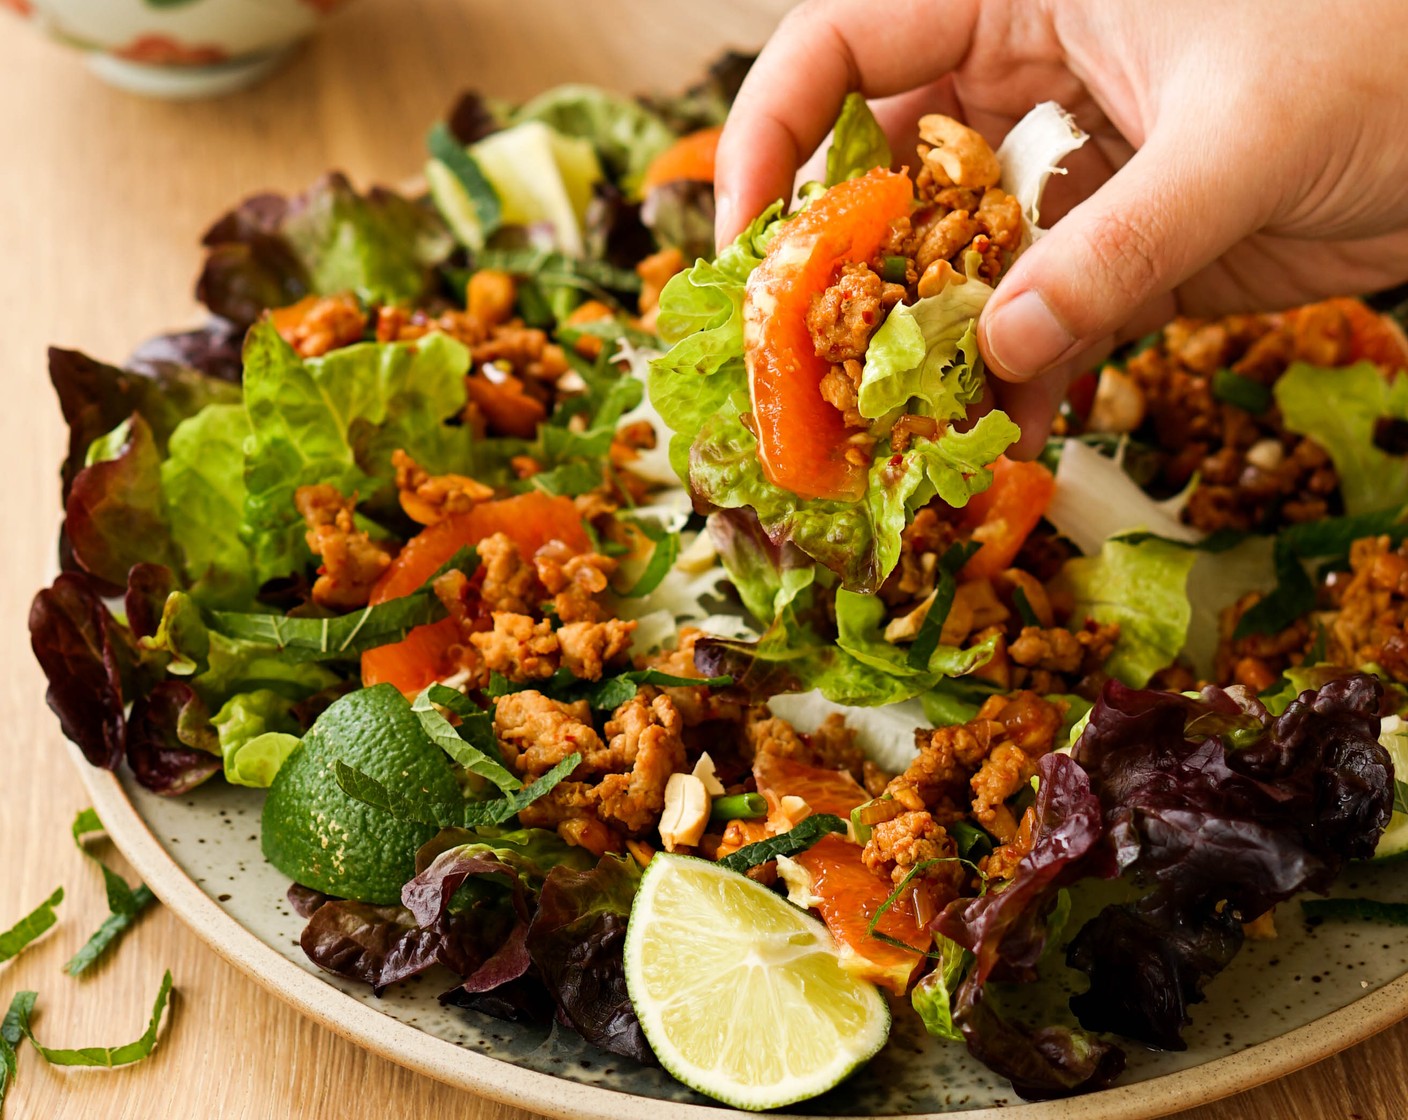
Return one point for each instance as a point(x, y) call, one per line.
point(451, 741)
point(125, 904)
point(883, 908)
point(97, 1056)
point(662, 559)
point(416, 807)
point(605, 695)
point(343, 637)
point(1357, 909)
point(1246, 393)
point(797, 839)
point(551, 266)
point(38, 921)
point(10, 1035)
point(927, 640)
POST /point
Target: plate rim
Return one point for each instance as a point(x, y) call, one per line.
point(548, 1095)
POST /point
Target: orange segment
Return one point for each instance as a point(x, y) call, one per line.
point(848, 893)
point(801, 438)
point(1003, 515)
point(423, 656)
point(688, 158)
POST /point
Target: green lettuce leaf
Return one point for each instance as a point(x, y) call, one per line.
point(379, 245)
point(932, 997)
point(927, 352)
point(203, 483)
point(257, 732)
point(860, 621)
point(625, 134)
point(858, 142)
point(1338, 409)
point(1141, 586)
point(336, 420)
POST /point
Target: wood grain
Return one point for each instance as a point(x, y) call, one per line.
point(103, 198)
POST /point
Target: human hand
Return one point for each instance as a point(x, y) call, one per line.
point(1244, 156)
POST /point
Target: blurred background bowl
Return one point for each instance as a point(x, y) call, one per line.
point(179, 48)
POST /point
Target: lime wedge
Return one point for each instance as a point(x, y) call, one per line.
point(1393, 737)
point(741, 994)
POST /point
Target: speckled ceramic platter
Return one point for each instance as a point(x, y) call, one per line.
point(1281, 1005)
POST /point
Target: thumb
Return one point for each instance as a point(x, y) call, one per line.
point(1159, 219)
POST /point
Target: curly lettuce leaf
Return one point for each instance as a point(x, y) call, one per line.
point(860, 623)
point(927, 352)
point(1339, 409)
point(858, 142)
point(1142, 587)
point(337, 420)
point(257, 732)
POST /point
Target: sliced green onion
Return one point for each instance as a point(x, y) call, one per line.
point(893, 270)
point(739, 807)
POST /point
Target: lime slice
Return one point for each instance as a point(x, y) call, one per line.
point(741, 994)
point(1393, 737)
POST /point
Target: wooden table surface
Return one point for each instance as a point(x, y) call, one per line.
point(103, 197)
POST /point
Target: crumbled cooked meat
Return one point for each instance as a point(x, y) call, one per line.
point(499, 402)
point(352, 561)
point(1057, 650)
point(939, 236)
point(317, 324)
point(696, 705)
point(842, 318)
point(897, 846)
point(1257, 659)
point(1002, 863)
point(840, 387)
point(573, 580)
point(510, 583)
point(526, 650)
point(1251, 471)
point(630, 440)
point(644, 734)
point(1000, 216)
point(988, 758)
point(1369, 624)
point(535, 732)
point(428, 498)
point(519, 648)
point(526, 352)
point(589, 647)
point(489, 296)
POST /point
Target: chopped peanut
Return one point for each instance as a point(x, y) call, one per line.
point(686, 812)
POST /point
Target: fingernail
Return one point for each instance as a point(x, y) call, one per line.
point(723, 221)
point(1025, 338)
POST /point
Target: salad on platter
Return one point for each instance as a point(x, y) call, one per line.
point(660, 643)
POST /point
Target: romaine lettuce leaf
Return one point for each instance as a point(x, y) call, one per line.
point(1141, 586)
point(1338, 409)
point(337, 420)
point(203, 483)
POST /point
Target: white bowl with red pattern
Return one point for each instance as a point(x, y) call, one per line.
point(179, 48)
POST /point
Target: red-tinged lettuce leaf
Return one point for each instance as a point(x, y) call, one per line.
point(380, 945)
point(681, 216)
point(1215, 812)
point(1007, 932)
point(510, 962)
point(90, 660)
point(115, 515)
point(148, 588)
point(428, 895)
point(472, 118)
point(270, 252)
point(1220, 835)
point(577, 939)
point(213, 349)
point(250, 267)
point(305, 900)
point(171, 744)
point(95, 398)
